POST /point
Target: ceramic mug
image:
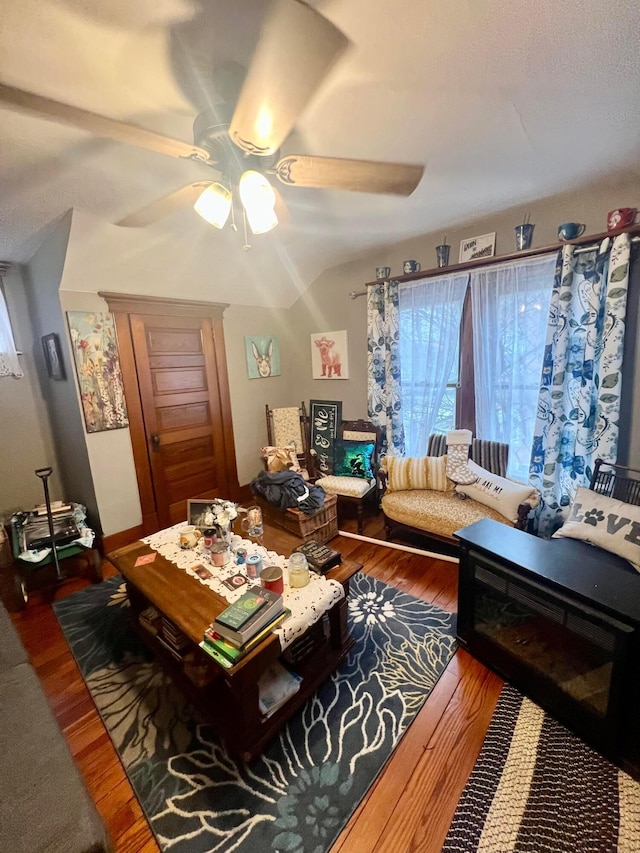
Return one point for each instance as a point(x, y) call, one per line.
point(383, 273)
point(622, 217)
point(189, 536)
point(410, 266)
point(570, 230)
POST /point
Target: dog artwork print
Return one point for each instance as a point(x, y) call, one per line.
point(329, 355)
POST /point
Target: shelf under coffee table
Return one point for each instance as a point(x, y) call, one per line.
point(229, 698)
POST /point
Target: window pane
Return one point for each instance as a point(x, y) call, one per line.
point(430, 315)
point(510, 309)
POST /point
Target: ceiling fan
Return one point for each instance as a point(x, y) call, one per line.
point(296, 50)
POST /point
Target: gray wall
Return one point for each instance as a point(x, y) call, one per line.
point(326, 306)
point(26, 439)
point(42, 282)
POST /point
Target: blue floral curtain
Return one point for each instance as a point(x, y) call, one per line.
point(579, 399)
point(383, 359)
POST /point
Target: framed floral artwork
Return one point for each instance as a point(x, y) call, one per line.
point(95, 354)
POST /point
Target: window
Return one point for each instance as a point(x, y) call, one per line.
point(487, 378)
point(430, 314)
point(9, 365)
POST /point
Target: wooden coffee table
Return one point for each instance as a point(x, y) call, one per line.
point(229, 698)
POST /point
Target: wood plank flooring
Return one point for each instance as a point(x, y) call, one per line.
point(411, 804)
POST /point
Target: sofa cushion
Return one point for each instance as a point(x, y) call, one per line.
point(435, 512)
point(352, 487)
point(609, 523)
point(420, 472)
point(498, 493)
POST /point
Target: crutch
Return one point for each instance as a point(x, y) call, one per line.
point(44, 474)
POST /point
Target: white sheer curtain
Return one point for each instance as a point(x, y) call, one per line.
point(9, 365)
point(510, 306)
point(430, 314)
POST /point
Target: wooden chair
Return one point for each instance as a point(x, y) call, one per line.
point(616, 481)
point(290, 425)
point(356, 491)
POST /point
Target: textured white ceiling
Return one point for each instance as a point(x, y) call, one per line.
point(503, 102)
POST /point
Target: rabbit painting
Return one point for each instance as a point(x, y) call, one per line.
point(263, 360)
point(263, 357)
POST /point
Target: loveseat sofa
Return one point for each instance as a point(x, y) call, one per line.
point(44, 804)
point(420, 500)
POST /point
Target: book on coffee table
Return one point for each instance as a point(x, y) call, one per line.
point(243, 619)
point(218, 647)
point(320, 557)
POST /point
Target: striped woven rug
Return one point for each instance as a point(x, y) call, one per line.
point(537, 788)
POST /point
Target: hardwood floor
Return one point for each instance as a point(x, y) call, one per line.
point(411, 804)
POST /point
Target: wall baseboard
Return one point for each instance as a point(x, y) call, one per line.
point(122, 538)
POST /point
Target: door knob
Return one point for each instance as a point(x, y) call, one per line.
point(155, 441)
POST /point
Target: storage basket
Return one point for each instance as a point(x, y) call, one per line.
point(322, 525)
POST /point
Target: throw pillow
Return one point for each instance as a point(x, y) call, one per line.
point(609, 523)
point(422, 472)
point(281, 458)
point(505, 496)
point(353, 459)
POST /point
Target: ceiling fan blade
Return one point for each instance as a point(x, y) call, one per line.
point(100, 125)
point(164, 206)
point(365, 176)
point(297, 47)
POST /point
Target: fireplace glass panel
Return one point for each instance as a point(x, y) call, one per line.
point(574, 650)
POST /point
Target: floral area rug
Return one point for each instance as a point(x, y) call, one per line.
point(300, 793)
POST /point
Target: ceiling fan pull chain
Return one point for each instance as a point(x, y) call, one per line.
point(247, 244)
point(234, 227)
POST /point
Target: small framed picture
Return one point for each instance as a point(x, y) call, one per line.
point(329, 355)
point(200, 514)
point(53, 356)
point(474, 248)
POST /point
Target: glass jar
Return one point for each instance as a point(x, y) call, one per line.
point(298, 570)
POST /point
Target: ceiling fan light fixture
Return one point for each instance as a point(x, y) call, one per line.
point(214, 205)
point(258, 200)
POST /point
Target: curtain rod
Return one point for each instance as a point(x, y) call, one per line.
point(354, 294)
point(514, 256)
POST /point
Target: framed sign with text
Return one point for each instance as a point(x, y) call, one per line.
point(325, 417)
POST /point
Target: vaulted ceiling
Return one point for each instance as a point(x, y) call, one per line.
point(502, 102)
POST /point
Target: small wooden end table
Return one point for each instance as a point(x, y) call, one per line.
point(228, 698)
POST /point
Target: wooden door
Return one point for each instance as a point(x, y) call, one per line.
point(175, 376)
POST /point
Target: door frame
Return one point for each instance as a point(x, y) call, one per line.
point(122, 305)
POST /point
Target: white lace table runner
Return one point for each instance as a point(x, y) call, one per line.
point(307, 604)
